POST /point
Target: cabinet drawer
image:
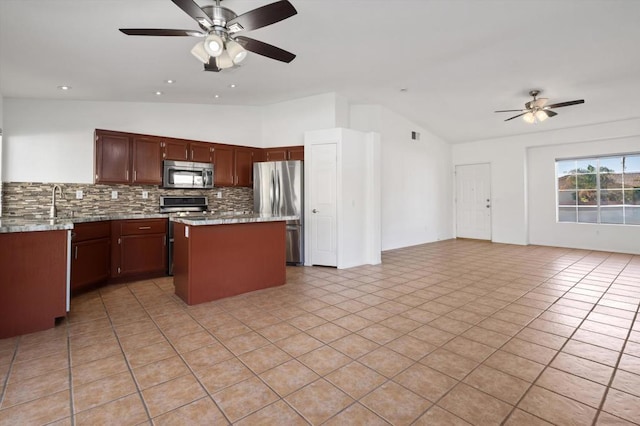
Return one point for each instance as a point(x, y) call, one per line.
point(143, 226)
point(90, 231)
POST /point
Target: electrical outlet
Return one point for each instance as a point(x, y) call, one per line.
point(114, 195)
point(79, 194)
point(145, 194)
point(219, 194)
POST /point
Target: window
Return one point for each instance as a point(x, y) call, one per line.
point(599, 189)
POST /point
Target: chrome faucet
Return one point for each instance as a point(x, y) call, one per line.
point(53, 213)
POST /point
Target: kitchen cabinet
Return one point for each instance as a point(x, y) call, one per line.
point(182, 150)
point(113, 157)
point(127, 158)
point(139, 247)
point(233, 165)
point(33, 273)
point(90, 254)
point(147, 161)
point(284, 153)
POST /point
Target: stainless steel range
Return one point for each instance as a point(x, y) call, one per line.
point(181, 206)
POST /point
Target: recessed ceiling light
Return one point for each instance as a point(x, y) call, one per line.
point(169, 81)
point(216, 96)
point(64, 87)
point(232, 85)
point(158, 93)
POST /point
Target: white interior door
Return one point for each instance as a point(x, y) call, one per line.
point(323, 204)
point(473, 201)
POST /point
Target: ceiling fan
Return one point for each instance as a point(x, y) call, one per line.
point(537, 109)
point(221, 47)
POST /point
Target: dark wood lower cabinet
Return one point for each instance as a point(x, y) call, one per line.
point(33, 281)
point(139, 247)
point(90, 254)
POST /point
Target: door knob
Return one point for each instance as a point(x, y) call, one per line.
point(314, 211)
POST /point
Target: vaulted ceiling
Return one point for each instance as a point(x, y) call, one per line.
point(444, 64)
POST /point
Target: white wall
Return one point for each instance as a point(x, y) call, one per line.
point(284, 123)
point(543, 228)
point(521, 214)
point(416, 179)
point(52, 141)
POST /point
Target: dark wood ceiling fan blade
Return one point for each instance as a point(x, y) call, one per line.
point(212, 65)
point(265, 49)
point(193, 10)
point(262, 16)
point(515, 116)
point(511, 110)
point(564, 104)
point(550, 113)
point(161, 32)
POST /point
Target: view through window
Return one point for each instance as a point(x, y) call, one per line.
point(599, 189)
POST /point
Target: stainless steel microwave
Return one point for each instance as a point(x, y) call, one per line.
point(187, 174)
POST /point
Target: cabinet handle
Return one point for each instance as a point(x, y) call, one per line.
point(144, 227)
point(192, 154)
point(127, 174)
point(186, 154)
point(75, 255)
point(164, 240)
point(135, 175)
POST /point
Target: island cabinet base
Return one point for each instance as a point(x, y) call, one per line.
point(33, 281)
point(216, 261)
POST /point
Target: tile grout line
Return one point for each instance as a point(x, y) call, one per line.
point(71, 389)
point(5, 383)
point(566, 341)
point(615, 369)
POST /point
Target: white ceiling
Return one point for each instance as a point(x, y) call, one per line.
point(458, 59)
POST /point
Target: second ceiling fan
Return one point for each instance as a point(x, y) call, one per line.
point(537, 109)
point(221, 47)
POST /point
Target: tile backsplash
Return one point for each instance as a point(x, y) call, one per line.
point(33, 199)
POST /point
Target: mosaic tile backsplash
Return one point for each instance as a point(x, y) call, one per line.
point(33, 199)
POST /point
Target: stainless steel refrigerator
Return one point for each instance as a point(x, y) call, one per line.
point(278, 189)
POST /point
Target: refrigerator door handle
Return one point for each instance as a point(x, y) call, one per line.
point(278, 205)
point(272, 194)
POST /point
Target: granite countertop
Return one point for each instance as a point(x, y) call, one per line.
point(226, 219)
point(22, 224)
point(29, 224)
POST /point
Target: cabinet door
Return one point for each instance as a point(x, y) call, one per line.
point(89, 262)
point(201, 152)
point(147, 161)
point(141, 254)
point(176, 150)
point(244, 167)
point(295, 153)
point(276, 154)
point(112, 157)
point(223, 166)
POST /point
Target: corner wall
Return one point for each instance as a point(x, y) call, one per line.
point(416, 179)
point(523, 184)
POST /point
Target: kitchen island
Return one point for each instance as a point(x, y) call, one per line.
point(216, 257)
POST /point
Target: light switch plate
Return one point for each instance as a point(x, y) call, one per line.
point(145, 194)
point(114, 195)
point(79, 194)
point(219, 194)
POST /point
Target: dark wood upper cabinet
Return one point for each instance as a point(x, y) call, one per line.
point(174, 149)
point(128, 158)
point(201, 152)
point(147, 161)
point(284, 153)
point(296, 153)
point(276, 154)
point(113, 157)
point(244, 167)
point(223, 165)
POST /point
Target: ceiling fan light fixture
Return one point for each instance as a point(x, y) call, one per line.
point(224, 61)
point(236, 52)
point(529, 117)
point(541, 115)
point(199, 52)
point(214, 45)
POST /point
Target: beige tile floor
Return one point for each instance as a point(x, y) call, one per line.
point(453, 333)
